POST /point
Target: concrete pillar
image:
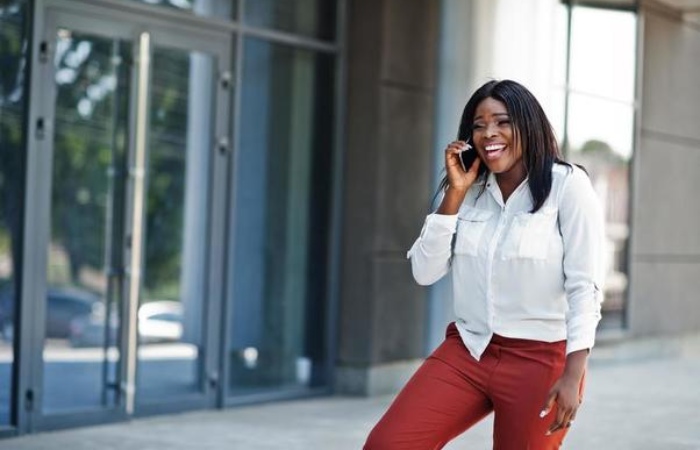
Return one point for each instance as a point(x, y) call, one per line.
point(392, 55)
point(665, 242)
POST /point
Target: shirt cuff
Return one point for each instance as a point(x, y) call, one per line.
point(582, 335)
point(579, 344)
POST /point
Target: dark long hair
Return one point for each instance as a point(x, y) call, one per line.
point(531, 129)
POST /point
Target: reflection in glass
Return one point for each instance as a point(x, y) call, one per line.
point(600, 130)
point(602, 120)
point(170, 318)
point(556, 104)
point(312, 18)
point(87, 192)
point(13, 54)
point(603, 44)
point(208, 8)
point(279, 251)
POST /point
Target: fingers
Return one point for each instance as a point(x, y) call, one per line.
point(560, 422)
point(462, 145)
point(564, 417)
point(572, 418)
point(551, 397)
point(459, 177)
point(455, 148)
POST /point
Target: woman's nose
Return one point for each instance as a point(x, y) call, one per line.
point(490, 130)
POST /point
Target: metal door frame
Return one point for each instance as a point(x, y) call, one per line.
point(144, 32)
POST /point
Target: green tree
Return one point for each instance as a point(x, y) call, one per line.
point(13, 58)
point(602, 151)
point(91, 141)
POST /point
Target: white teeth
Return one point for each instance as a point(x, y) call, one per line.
point(494, 147)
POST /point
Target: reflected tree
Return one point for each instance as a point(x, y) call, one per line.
point(89, 146)
point(13, 50)
point(91, 142)
point(603, 152)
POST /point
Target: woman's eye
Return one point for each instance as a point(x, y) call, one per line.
point(477, 126)
point(504, 122)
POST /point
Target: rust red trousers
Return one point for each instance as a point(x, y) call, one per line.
point(452, 391)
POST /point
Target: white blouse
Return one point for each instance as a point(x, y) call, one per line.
point(515, 273)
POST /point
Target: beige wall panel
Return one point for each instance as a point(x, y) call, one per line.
point(392, 54)
point(399, 312)
point(667, 210)
point(409, 42)
point(665, 257)
point(664, 298)
point(405, 167)
point(671, 90)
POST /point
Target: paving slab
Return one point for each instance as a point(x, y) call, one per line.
point(641, 395)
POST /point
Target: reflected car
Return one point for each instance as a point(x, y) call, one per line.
point(63, 305)
point(158, 321)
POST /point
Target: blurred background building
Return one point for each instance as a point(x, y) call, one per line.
point(207, 203)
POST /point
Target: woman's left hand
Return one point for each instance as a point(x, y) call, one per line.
point(565, 393)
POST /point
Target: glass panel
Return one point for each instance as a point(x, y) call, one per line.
point(601, 129)
point(209, 8)
point(312, 18)
point(170, 318)
point(601, 134)
point(602, 120)
point(603, 52)
point(555, 104)
point(87, 195)
point(13, 48)
point(280, 247)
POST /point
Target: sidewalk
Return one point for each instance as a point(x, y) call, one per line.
point(641, 395)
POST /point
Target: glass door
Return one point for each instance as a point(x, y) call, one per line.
point(181, 145)
point(87, 192)
point(131, 120)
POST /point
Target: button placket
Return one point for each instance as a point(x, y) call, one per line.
point(493, 245)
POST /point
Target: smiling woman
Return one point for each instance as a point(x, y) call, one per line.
point(496, 143)
point(520, 232)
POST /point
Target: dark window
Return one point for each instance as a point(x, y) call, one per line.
point(281, 225)
point(311, 18)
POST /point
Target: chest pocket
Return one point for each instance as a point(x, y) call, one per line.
point(531, 234)
point(471, 224)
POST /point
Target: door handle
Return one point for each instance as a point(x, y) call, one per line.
point(223, 145)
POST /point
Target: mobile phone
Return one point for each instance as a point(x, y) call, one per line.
point(468, 156)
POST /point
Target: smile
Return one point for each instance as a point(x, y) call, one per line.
point(494, 151)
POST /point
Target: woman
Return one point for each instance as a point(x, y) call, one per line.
point(521, 232)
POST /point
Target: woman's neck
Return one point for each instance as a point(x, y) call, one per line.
point(509, 181)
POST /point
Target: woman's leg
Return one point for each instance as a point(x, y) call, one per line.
point(442, 399)
point(526, 373)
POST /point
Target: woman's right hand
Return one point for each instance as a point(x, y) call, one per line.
point(457, 178)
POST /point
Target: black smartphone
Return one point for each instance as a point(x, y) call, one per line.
point(468, 156)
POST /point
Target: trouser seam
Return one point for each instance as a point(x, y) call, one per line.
point(462, 375)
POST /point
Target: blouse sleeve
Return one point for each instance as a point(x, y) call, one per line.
point(431, 254)
point(581, 223)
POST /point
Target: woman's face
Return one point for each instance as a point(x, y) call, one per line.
point(494, 138)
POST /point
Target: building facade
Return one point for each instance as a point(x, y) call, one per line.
point(207, 203)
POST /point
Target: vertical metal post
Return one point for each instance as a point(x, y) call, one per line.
point(137, 173)
point(633, 179)
point(227, 302)
point(108, 261)
point(567, 80)
point(336, 211)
